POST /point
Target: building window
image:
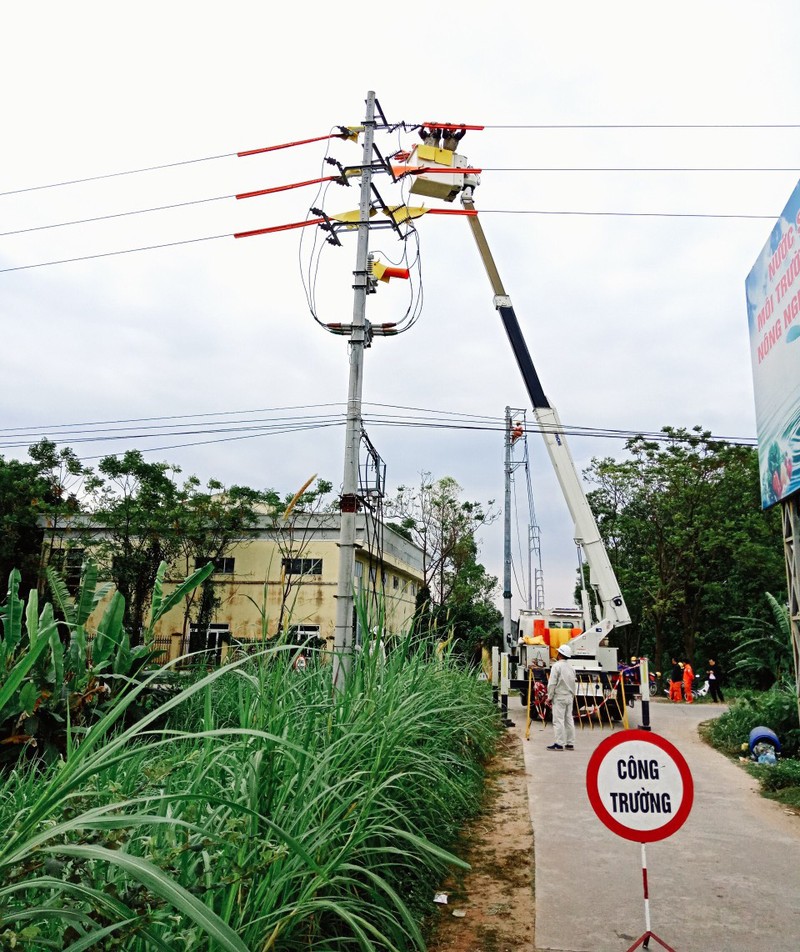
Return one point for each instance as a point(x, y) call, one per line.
point(358, 571)
point(68, 563)
point(395, 582)
point(307, 635)
point(222, 566)
point(301, 633)
point(302, 566)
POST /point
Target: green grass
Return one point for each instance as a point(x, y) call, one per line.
point(776, 709)
point(269, 813)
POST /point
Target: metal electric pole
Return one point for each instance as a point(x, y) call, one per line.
point(359, 339)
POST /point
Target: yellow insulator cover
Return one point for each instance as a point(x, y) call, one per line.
point(429, 153)
point(351, 219)
point(401, 213)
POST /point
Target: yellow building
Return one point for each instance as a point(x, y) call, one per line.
point(283, 577)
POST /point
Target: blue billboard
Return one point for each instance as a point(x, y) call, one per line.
point(773, 316)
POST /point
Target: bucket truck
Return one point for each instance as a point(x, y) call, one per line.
point(540, 634)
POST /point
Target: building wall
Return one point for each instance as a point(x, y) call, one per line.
point(252, 579)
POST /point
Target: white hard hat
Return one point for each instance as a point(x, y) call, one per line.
point(565, 650)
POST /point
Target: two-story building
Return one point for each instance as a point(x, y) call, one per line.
point(282, 576)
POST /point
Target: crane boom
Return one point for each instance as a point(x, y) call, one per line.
point(612, 609)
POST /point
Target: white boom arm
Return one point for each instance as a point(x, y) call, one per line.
point(612, 608)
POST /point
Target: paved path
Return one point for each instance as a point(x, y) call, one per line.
point(727, 881)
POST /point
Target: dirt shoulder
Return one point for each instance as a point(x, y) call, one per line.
point(496, 896)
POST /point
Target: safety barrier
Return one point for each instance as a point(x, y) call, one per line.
point(599, 701)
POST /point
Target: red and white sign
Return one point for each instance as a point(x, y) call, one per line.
point(640, 786)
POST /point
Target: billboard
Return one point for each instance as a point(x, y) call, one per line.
point(773, 316)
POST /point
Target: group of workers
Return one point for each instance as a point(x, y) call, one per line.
point(682, 676)
point(681, 679)
point(561, 687)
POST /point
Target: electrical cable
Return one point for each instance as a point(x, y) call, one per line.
point(409, 417)
point(282, 428)
point(397, 127)
point(536, 211)
point(759, 125)
point(111, 254)
point(640, 169)
point(483, 211)
point(138, 211)
point(107, 175)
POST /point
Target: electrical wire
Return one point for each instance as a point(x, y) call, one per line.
point(639, 169)
point(20, 437)
point(219, 198)
point(112, 254)
point(757, 125)
point(403, 125)
point(108, 175)
point(537, 211)
point(138, 211)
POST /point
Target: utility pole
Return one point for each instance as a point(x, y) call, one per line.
point(504, 657)
point(359, 339)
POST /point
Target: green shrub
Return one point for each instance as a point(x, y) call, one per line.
point(775, 708)
point(784, 774)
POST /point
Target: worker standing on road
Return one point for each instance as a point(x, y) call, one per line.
point(715, 680)
point(561, 691)
point(688, 681)
point(675, 679)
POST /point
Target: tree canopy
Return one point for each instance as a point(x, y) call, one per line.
point(456, 595)
point(690, 544)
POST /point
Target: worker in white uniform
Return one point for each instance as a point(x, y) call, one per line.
point(561, 691)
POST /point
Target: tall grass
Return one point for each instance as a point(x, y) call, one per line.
point(269, 813)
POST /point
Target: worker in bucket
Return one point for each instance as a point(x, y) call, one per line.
point(561, 691)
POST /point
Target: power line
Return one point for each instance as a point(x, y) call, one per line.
point(251, 428)
point(107, 175)
point(111, 254)
point(138, 211)
point(544, 126)
point(648, 168)
point(532, 169)
point(758, 125)
point(175, 416)
point(484, 211)
point(536, 211)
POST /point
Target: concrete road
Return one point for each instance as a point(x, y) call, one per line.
point(727, 881)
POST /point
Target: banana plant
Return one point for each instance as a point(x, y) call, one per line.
point(21, 649)
point(46, 688)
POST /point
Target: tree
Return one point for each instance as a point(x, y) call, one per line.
point(141, 517)
point(456, 594)
point(66, 475)
point(293, 532)
point(34, 496)
point(206, 522)
point(134, 510)
point(691, 546)
point(765, 654)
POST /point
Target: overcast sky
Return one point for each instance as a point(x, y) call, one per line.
point(634, 321)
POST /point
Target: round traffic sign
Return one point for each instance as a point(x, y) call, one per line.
point(640, 786)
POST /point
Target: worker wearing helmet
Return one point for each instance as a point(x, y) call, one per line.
point(561, 691)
